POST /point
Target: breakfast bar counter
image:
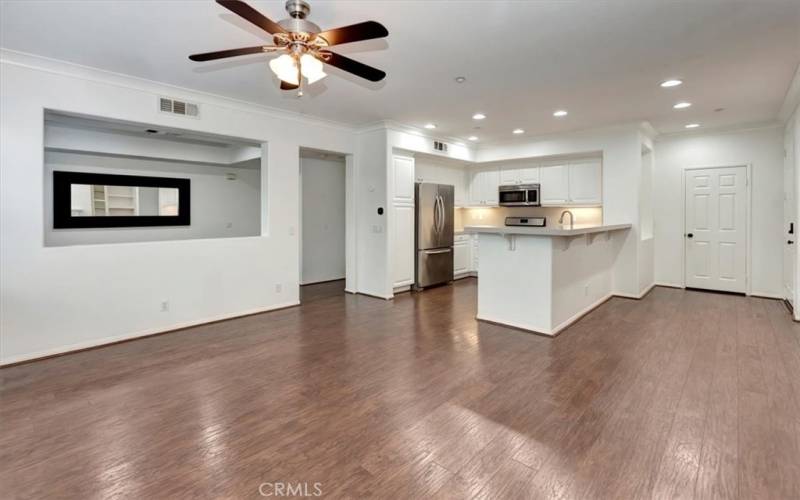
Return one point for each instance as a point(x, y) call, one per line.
point(542, 279)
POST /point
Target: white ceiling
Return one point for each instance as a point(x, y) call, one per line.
point(601, 60)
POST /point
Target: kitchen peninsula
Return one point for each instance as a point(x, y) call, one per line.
point(542, 279)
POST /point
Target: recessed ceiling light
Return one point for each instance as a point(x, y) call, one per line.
point(682, 105)
point(518, 131)
point(693, 125)
point(560, 112)
point(430, 126)
point(671, 83)
point(460, 79)
point(473, 138)
point(478, 116)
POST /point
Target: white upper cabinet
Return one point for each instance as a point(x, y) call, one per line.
point(585, 182)
point(403, 171)
point(573, 183)
point(508, 176)
point(554, 182)
point(519, 175)
point(483, 186)
point(454, 175)
point(529, 175)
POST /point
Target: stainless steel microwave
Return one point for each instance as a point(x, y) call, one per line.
point(519, 195)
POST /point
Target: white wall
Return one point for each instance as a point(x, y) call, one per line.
point(220, 208)
point(370, 171)
point(763, 148)
point(323, 200)
point(65, 136)
point(45, 290)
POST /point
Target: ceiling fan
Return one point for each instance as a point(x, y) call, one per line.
point(304, 46)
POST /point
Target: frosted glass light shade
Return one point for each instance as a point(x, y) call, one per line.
point(286, 69)
point(311, 68)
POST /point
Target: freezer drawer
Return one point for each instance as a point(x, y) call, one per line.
point(434, 266)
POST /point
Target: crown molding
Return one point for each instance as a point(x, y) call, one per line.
point(97, 75)
point(629, 126)
point(728, 129)
point(792, 99)
point(394, 126)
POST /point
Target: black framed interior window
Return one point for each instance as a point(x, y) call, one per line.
point(92, 200)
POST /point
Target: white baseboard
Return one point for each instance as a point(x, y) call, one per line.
point(767, 295)
point(546, 331)
point(636, 297)
point(304, 283)
point(669, 285)
point(583, 312)
point(142, 333)
point(520, 326)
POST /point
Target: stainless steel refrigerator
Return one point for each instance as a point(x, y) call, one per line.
point(433, 234)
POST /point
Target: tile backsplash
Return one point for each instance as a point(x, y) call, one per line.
point(496, 216)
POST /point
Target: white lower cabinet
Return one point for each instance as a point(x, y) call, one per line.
point(403, 245)
point(462, 249)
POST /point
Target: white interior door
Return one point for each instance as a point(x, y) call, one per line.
point(716, 228)
point(789, 218)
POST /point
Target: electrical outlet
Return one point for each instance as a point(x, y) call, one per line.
point(164, 305)
point(586, 290)
point(278, 288)
point(291, 230)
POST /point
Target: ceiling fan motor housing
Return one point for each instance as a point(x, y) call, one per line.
point(297, 23)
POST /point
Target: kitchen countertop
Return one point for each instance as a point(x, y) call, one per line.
point(546, 231)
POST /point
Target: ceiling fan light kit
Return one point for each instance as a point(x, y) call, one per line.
point(303, 45)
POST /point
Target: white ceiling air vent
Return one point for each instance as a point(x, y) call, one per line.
point(176, 107)
point(439, 146)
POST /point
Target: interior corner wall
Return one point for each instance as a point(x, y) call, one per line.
point(372, 187)
point(323, 214)
point(621, 149)
point(763, 149)
point(203, 279)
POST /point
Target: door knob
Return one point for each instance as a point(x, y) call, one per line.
point(690, 235)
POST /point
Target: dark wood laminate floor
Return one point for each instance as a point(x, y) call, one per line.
point(681, 394)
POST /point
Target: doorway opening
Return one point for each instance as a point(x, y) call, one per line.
point(716, 228)
point(322, 224)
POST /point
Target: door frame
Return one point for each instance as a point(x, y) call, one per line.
point(350, 226)
point(747, 222)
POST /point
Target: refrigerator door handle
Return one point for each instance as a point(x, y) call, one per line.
point(444, 214)
point(433, 252)
point(436, 214)
point(441, 214)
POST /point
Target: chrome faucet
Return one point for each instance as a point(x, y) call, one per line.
point(571, 218)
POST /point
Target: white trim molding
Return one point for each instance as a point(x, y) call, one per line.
point(80, 346)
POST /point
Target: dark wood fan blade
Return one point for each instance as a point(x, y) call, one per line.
point(354, 33)
point(222, 54)
point(242, 9)
point(352, 66)
point(288, 86)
